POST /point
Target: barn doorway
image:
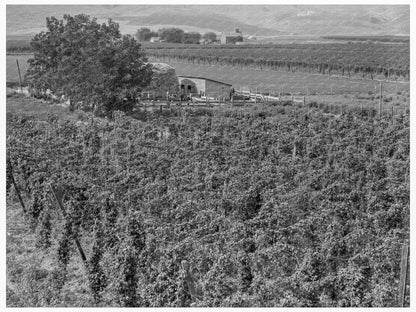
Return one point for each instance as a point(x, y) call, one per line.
point(188, 87)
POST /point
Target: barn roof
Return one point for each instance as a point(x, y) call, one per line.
point(204, 78)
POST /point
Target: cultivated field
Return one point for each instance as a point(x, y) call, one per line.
point(293, 193)
point(202, 208)
point(265, 81)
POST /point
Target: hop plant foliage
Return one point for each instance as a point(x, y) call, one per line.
point(256, 224)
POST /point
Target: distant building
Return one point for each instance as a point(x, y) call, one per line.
point(155, 39)
point(200, 86)
point(205, 41)
point(232, 38)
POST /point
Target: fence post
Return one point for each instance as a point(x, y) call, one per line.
point(304, 101)
point(292, 99)
point(403, 274)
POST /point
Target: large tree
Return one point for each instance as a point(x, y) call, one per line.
point(173, 35)
point(210, 36)
point(191, 37)
point(88, 62)
point(144, 34)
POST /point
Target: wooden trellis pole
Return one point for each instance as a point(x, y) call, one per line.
point(58, 201)
point(16, 187)
point(403, 274)
point(380, 99)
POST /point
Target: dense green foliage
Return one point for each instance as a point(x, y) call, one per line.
point(367, 60)
point(144, 34)
point(262, 207)
point(210, 36)
point(89, 63)
point(173, 35)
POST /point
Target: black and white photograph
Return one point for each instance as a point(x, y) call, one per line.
point(207, 155)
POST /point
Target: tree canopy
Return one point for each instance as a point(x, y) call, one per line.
point(90, 63)
point(144, 34)
point(191, 37)
point(210, 36)
point(173, 35)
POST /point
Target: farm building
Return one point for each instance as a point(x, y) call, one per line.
point(232, 38)
point(155, 39)
point(199, 86)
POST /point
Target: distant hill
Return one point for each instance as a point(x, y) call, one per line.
point(261, 20)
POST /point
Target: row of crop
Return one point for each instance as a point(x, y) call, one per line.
point(334, 47)
point(379, 61)
point(228, 209)
point(386, 59)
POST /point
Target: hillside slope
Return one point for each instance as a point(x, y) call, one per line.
point(271, 20)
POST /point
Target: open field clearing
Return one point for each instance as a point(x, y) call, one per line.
point(276, 81)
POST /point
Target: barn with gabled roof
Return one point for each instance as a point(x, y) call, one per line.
point(202, 86)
